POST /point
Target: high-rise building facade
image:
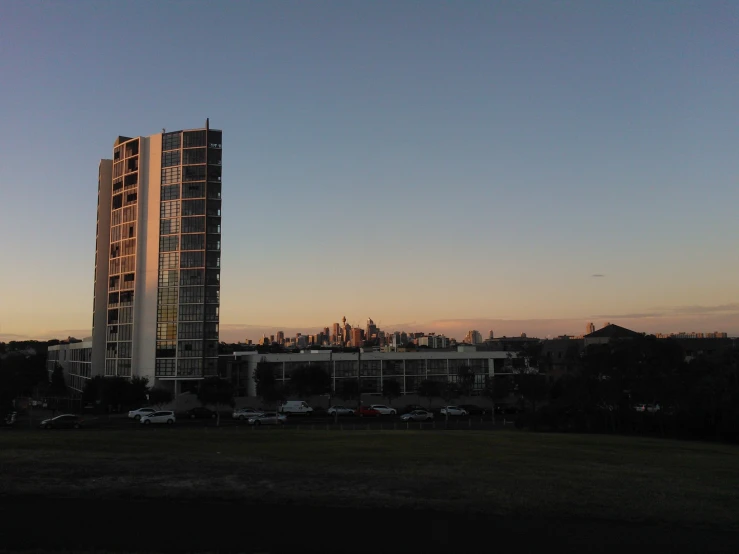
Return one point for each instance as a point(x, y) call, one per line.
point(158, 257)
point(590, 328)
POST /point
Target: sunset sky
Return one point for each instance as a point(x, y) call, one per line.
point(437, 166)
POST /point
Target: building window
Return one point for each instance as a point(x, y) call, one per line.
point(166, 368)
point(191, 259)
point(166, 349)
point(193, 173)
point(170, 192)
point(192, 277)
point(193, 224)
point(191, 312)
point(170, 209)
point(129, 214)
point(193, 139)
point(193, 190)
point(190, 330)
point(170, 141)
point(167, 296)
point(171, 175)
point(193, 242)
point(170, 159)
point(169, 260)
point(167, 312)
point(191, 295)
point(166, 331)
point(169, 226)
point(211, 312)
point(193, 207)
point(193, 156)
point(168, 243)
point(168, 278)
point(190, 349)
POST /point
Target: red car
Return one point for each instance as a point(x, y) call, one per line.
point(366, 411)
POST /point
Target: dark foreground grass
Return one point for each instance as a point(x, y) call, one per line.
point(502, 473)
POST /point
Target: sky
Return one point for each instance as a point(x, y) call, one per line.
point(437, 166)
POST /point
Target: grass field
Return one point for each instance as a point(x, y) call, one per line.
point(512, 473)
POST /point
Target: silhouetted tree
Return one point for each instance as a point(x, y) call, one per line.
point(349, 389)
point(138, 388)
point(268, 388)
point(390, 390)
point(217, 392)
point(429, 389)
point(466, 379)
point(58, 385)
point(496, 388)
point(448, 391)
point(159, 396)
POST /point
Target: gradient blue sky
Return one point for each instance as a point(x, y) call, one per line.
point(435, 165)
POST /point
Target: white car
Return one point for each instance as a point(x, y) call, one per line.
point(384, 410)
point(246, 413)
point(268, 418)
point(453, 411)
point(158, 417)
point(417, 415)
point(340, 410)
point(138, 414)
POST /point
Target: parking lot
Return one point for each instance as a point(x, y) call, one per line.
point(304, 423)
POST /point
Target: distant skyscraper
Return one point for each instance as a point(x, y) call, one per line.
point(491, 336)
point(280, 337)
point(158, 258)
point(590, 328)
point(371, 329)
point(356, 337)
point(473, 337)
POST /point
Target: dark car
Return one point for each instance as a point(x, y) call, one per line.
point(66, 421)
point(319, 411)
point(473, 409)
point(412, 408)
point(200, 412)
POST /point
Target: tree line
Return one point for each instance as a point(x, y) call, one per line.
point(698, 398)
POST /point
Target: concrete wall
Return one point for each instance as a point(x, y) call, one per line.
point(100, 308)
point(147, 258)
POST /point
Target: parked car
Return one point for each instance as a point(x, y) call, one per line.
point(384, 410)
point(340, 410)
point(10, 418)
point(167, 417)
point(65, 421)
point(453, 411)
point(367, 411)
point(417, 415)
point(473, 409)
point(640, 407)
point(245, 413)
point(412, 408)
point(319, 411)
point(200, 412)
point(136, 414)
point(268, 418)
point(295, 407)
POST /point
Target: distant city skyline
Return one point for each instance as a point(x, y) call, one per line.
point(445, 166)
point(454, 329)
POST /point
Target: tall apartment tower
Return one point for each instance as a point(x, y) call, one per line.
point(158, 258)
point(590, 328)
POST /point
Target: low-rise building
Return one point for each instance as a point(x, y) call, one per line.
point(76, 361)
point(371, 368)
